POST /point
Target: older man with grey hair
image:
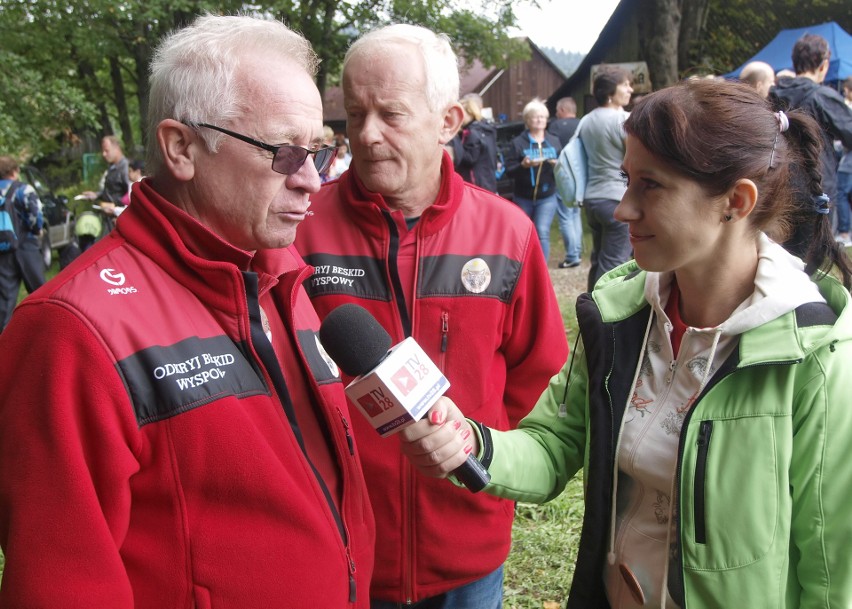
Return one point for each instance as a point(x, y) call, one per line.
point(456, 267)
point(174, 437)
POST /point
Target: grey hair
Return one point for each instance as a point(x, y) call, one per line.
point(194, 71)
point(439, 60)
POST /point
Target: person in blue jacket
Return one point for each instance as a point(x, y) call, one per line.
point(530, 162)
point(22, 262)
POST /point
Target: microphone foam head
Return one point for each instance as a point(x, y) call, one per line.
point(354, 339)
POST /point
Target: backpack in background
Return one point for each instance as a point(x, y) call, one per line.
point(571, 172)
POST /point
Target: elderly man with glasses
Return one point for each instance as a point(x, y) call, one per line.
point(175, 436)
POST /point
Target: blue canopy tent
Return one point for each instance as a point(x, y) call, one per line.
point(778, 52)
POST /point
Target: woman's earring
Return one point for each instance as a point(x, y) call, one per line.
point(728, 217)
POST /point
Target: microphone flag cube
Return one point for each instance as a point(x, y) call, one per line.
point(399, 390)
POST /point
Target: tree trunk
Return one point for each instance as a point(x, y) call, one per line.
point(327, 31)
point(693, 20)
point(87, 76)
point(142, 64)
point(121, 103)
point(659, 28)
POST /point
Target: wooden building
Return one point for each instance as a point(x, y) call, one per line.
point(505, 91)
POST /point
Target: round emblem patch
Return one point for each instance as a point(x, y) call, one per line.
point(476, 275)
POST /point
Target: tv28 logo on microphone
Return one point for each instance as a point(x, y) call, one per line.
point(405, 379)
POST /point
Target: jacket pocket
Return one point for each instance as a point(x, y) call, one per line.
point(732, 485)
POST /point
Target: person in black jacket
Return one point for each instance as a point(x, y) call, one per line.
point(474, 147)
point(116, 181)
point(811, 55)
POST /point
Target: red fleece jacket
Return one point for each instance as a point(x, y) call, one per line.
point(472, 287)
point(150, 454)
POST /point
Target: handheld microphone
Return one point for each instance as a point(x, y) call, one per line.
point(393, 386)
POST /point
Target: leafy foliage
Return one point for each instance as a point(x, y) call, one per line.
point(737, 29)
point(38, 110)
point(79, 70)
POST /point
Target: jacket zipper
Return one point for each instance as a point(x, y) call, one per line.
point(351, 561)
point(408, 526)
point(407, 478)
point(393, 276)
point(269, 367)
point(700, 506)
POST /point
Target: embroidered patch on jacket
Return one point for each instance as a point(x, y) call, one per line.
point(356, 276)
point(486, 275)
point(476, 275)
point(164, 381)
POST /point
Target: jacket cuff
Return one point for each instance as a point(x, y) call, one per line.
point(486, 446)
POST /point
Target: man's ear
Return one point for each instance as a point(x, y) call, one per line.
point(451, 123)
point(741, 199)
point(178, 145)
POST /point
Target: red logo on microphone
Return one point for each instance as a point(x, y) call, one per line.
point(370, 405)
point(404, 380)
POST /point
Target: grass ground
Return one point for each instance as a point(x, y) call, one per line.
point(545, 537)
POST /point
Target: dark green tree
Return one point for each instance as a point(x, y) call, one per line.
point(81, 68)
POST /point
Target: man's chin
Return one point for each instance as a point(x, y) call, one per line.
point(377, 182)
point(278, 239)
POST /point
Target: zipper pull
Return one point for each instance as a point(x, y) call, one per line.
point(445, 330)
point(352, 586)
point(349, 440)
point(704, 433)
point(670, 375)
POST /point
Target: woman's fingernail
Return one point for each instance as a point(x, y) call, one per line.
point(467, 449)
point(436, 417)
point(457, 424)
point(466, 434)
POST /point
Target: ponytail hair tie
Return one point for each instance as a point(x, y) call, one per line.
point(783, 125)
point(821, 203)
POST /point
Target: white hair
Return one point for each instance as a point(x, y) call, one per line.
point(534, 106)
point(439, 60)
point(194, 71)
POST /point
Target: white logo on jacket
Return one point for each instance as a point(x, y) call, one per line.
point(112, 277)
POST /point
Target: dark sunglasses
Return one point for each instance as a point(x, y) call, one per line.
point(286, 159)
